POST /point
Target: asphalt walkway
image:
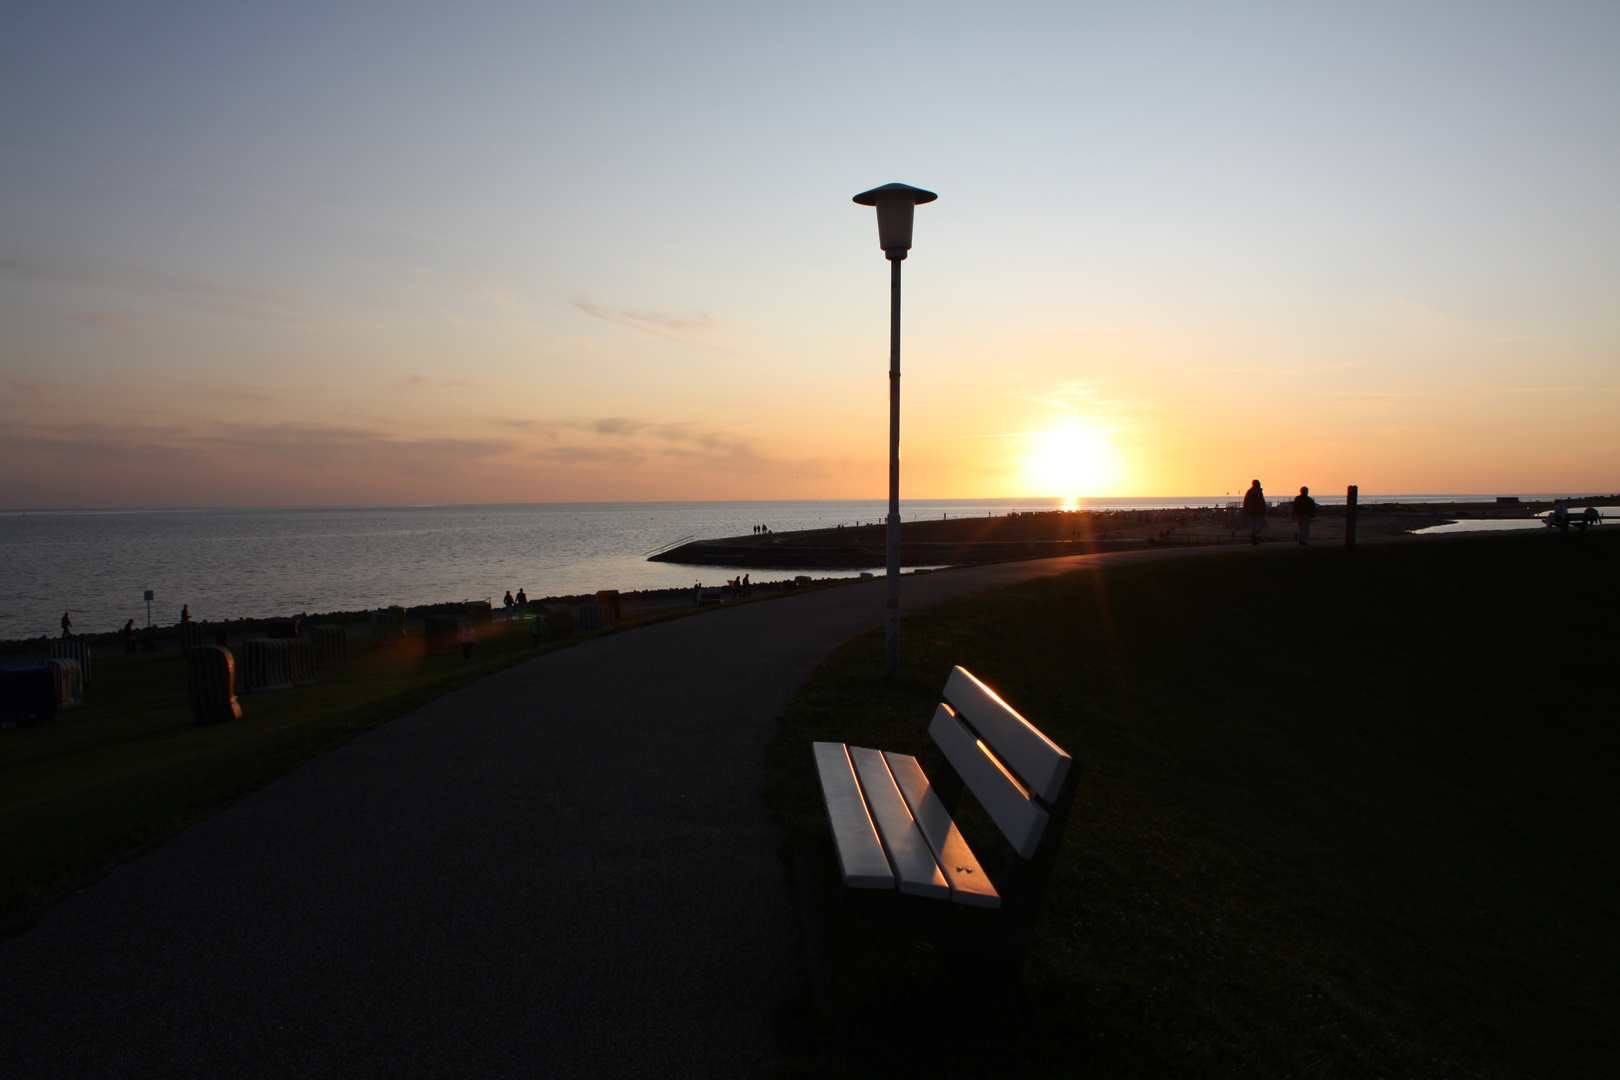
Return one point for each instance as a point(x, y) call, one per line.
point(562, 870)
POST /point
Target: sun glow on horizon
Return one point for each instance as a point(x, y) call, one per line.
point(1071, 463)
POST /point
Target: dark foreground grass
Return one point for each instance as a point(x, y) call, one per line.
point(131, 766)
point(1342, 815)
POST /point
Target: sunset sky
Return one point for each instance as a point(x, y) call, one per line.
point(385, 253)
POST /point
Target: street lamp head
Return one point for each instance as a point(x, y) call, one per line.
point(895, 204)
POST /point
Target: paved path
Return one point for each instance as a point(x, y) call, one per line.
point(562, 870)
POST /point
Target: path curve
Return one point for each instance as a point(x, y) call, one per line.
point(562, 870)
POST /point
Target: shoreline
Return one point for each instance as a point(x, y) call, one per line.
point(167, 635)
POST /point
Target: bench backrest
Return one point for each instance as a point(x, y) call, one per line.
point(1018, 775)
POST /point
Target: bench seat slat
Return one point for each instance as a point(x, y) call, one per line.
point(908, 851)
point(1040, 761)
point(966, 877)
point(860, 852)
point(1003, 798)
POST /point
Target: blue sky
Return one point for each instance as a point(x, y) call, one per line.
point(379, 253)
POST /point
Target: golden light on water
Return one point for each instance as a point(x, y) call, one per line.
point(1070, 464)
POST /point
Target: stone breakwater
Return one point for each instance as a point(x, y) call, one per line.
point(1048, 533)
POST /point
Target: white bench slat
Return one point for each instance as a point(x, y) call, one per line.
point(966, 877)
point(1002, 797)
point(908, 851)
point(860, 852)
point(1040, 761)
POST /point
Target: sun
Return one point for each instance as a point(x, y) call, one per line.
point(1070, 464)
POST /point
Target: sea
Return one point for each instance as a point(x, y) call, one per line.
point(235, 563)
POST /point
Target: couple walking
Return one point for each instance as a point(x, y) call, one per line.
point(1254, 508)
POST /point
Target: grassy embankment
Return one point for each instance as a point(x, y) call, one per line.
point(131, 766)
point(1342, 815)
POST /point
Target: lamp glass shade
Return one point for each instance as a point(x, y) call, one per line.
point(896, 207)
point(895, 212)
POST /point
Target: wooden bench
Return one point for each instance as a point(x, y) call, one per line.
point(894, 830)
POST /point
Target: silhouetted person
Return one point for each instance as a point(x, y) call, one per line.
point(1558, 518)
point(748, 588)
point(67, 624)
point(523, 597)
point(128, 634)
point(507, 603)
point(1254, 508)
point(185, 613)
point(1304, 510)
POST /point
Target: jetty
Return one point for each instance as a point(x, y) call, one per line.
point(956, 541)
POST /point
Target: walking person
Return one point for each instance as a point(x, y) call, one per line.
point(67, 624)
point(129, 637)
point(1304, 510)
point(1254, 509)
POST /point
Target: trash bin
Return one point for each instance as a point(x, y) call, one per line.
point(557, 621)
point(440, 632)
point(211, 684)
point(384, 627)
point(286, 628)
point(26, 695)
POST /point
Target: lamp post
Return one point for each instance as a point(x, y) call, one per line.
point(896, 205)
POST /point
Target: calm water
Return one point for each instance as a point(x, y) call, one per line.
point(232, 563)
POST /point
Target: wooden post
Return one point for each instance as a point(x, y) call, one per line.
point(1350, 516)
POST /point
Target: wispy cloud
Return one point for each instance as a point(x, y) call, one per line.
point(683, 329)
point(23, 391)
point(308, 446)
point(258, 395)
point(623, 438)
point(120, 322)
point(1556, 390)
point(649, 322)
point(221, 298)
point(1245, 370)
point(1078, 395)
point(422, 380)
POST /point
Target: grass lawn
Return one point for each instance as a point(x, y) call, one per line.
point(1341, 815)
point(131, 766)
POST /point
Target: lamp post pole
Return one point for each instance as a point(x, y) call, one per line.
point(896, 205)
point(891, 615)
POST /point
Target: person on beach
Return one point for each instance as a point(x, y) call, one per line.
point(128, 634)
point(1254, 509)
point(185, 613)
point(523, 598)
point(508, 602)
point(67, 624)
point(748, 589)
point(1304, 510)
